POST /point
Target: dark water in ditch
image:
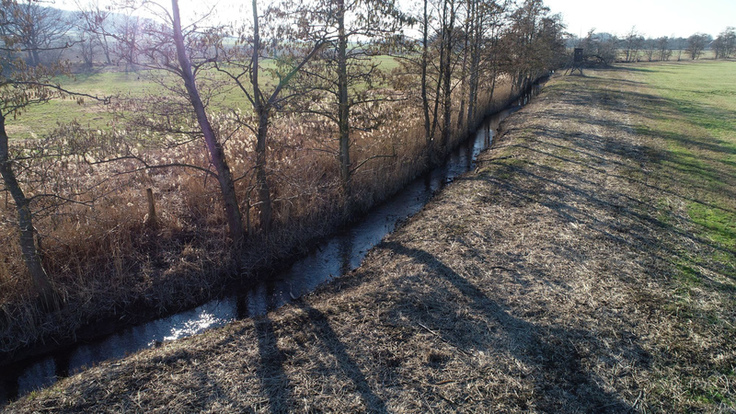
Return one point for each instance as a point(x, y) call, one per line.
point(331, 258)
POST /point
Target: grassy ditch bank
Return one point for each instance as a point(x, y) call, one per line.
point(572, 272)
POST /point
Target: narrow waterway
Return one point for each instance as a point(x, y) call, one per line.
point(331, 258)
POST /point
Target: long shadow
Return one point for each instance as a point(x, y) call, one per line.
point(641, 236)
point(566, 385)
point(349, 367)
point(692, 185)
point(271, 370)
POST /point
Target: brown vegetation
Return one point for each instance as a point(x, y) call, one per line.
point(249, 141)
point(103, 259)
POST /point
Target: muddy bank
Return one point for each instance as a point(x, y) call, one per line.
point(542, 282)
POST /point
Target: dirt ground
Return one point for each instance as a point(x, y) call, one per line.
point(542, 282)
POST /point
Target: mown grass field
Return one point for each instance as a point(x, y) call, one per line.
point(702, 140)
point(696, 119)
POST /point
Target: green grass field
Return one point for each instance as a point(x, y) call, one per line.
point(39, 120)
point(696, 117)
point(702, 144)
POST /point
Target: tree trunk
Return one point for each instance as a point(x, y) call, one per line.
point(464, 70)
point(425, 56)
point(437, 98)
point(217, 155)
point(343, 104)
point(264, 192)
point(447, 80)
point(35, 58)
point(30, 253)
point(106, 49)
point(474, 68)
point(262, 111)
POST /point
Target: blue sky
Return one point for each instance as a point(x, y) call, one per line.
point(652, 18)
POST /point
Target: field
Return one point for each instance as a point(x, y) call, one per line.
point(702, 144)
point(42, 120)
point(587, 265)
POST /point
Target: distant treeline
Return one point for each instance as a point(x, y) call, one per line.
point(606, 48)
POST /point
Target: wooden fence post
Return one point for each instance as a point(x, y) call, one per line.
point(151, 217)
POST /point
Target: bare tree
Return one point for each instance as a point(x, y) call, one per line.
point(650, 46)
point(474, 48)
point(183, 51)
point(696, 45)
point(664, 48)
point(725, 43)
point(95, 22)
point(344, 73)
point(447, 22)
point(23, 85)
point(535, 43)
point(600, 47)
point(34, 29)
point(486, 17)
point(30, 251)
point(632, 43)
point(242, 64)
point(679, 45)
point(128, 37)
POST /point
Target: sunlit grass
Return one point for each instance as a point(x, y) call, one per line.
point(702, 144)
point(40, 120)
point(693, 112)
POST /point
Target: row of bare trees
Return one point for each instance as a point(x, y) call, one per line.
point(322, 62)
point(633, 47)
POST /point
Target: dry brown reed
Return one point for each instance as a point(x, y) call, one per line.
point(105, 262)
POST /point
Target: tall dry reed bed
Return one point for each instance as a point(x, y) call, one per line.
point(109, 260)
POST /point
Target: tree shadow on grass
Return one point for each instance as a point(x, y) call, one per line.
point(564, 384)
point(274, 381)
point(331, 341)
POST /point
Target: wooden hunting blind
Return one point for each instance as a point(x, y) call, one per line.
point(578, 59)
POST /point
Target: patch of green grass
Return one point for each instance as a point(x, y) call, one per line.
point(700, 128)
point(689, 111)
point(388, 63)
point(710, 395)
point(718, 224)
point(687, 274)
point(39, 120)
